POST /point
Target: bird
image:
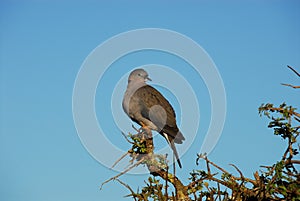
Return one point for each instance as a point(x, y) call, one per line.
point(150, 109)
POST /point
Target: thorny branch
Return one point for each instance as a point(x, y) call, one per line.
point(280, 181)
point(143, 151)
point(265, 186)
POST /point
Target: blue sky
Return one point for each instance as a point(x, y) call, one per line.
point(44, 43)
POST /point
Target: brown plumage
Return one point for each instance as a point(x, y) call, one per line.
point(148, 107)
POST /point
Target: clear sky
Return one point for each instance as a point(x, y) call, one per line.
point(43, 44)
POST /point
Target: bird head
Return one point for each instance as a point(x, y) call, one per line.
point(138, 76)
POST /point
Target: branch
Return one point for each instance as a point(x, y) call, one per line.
point(213, 164)
point(282, 109)
point(292, 162)
point(180, 189)
point(143, 151)
point(178, 185)
point(237, 169)
point(226, 172)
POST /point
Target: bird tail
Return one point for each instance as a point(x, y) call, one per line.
point(175, 153)
point(172, 145)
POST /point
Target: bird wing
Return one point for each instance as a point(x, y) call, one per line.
point(156, 108)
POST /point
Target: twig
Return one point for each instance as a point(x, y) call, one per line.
point(219, 191)
point(134, 157)
point(241, 175)
point(226, 172)
point(123, 156)
point(207, 166)
point(137, 130)
point(174, 172)
point(127, 138)
point(294, 70)
point(282, 110)
point(237, 169)
point(289, 85)
point(216, 166)
point(288, 150)
point(166, 187)
point(125, 171)
point(127, 186)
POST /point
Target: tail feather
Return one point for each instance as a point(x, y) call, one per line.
point(179, 138)
point(175, 153)
point(172, 145)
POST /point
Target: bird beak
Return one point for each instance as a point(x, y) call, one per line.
point(148, 78)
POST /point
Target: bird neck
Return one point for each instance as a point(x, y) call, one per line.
point(136, 84)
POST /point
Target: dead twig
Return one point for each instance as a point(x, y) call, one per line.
point(289, 85)
point(294, 70)
point(128, 187)
point(125, 171)
point(123, 156)
point(126, 138)
point(242, 178)
point(237, 169)
point(137, 130)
